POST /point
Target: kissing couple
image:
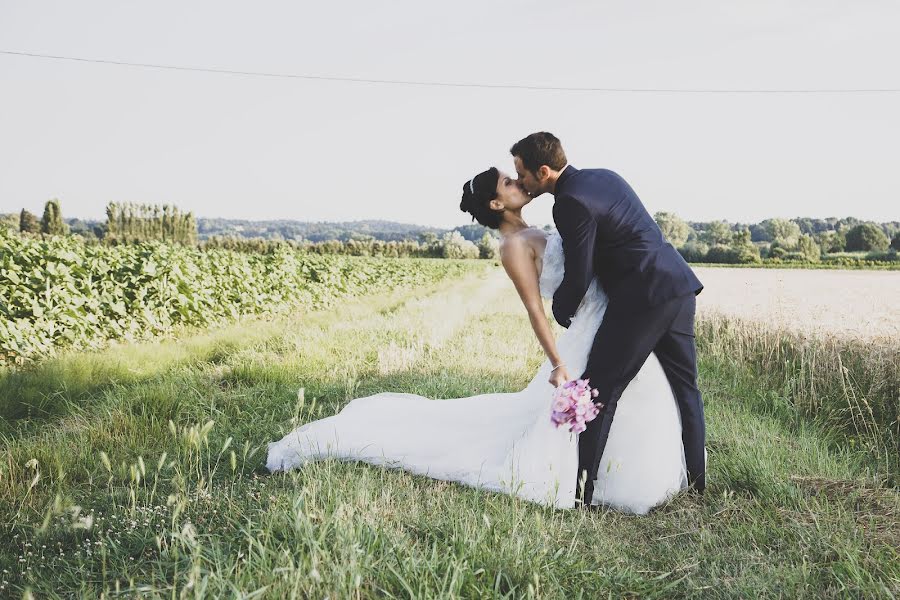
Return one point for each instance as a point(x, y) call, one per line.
point(626, 299)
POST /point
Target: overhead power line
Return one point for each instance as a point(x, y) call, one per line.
point(500, 86)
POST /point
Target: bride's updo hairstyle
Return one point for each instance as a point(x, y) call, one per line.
point(477, 194)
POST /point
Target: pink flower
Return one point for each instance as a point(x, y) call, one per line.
point(573, 406)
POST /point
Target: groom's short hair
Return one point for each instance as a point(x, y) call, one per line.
point(541, 148)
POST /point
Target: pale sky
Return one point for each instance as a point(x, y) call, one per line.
point(257, 148)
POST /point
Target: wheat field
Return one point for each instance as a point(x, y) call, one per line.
point(850, 304)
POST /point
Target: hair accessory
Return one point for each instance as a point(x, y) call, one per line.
point(472, 186)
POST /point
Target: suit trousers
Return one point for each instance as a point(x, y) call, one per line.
point(623, 342)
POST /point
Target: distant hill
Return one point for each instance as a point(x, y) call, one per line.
point(288, 229)
point(323, 231)
point(312, 231)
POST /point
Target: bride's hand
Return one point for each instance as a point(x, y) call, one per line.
point(559, 376)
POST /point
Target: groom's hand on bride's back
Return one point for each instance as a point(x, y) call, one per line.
point(559, 377)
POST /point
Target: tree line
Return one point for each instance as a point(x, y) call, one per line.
point(126, 222)
point(451, 244)
point(797, 240)
point(771, 240)
point(133, 223)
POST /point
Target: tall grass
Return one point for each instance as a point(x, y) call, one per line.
point(850, 387)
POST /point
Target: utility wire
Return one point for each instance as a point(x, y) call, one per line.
point(455, 84)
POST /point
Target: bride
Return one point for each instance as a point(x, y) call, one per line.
point(505, 442)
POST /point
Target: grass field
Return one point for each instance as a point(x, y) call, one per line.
point(141, 475)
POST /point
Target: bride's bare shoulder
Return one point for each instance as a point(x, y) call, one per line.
point(523, 245)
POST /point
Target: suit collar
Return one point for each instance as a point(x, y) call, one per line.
point(563, 177)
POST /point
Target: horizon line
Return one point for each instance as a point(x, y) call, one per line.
point(449, 226)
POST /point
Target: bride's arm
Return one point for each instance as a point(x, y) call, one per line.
point(517, 257)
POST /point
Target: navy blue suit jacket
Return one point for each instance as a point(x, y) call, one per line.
point(606, 232)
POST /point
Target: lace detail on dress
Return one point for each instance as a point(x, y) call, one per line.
point(554, 266)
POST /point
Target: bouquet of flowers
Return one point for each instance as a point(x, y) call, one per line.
point(573, 405)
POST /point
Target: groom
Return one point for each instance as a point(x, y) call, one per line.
point(607, 233)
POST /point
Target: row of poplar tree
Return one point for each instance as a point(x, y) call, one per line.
point(126, 222)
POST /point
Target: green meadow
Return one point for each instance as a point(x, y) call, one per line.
point(138, 470)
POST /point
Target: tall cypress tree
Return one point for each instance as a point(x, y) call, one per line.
point(112, 222)
point(28, 222)
point(157, 222)
point(52, 222)
point(191, 227)
point(123, 222)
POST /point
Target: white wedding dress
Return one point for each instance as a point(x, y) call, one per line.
point(505, 442)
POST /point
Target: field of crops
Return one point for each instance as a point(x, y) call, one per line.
point(61, 293)
point(829, 338)
point(849, 304)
